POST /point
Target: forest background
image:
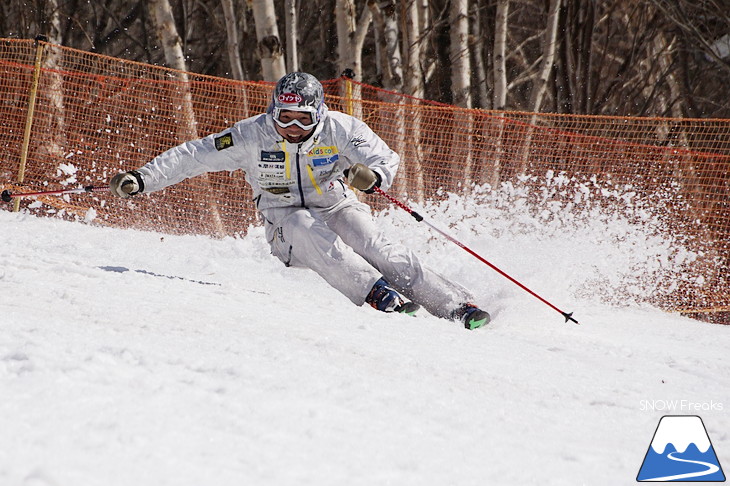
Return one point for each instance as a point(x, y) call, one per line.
point(667, 58)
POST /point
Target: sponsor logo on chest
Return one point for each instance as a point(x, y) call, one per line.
point(323, 155)
point(272, 156)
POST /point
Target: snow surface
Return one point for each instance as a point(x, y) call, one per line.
point(136, 358)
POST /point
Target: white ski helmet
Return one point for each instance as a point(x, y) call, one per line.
point(298, 91)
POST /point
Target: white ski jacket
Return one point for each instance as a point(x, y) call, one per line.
point(281, 174)
point(336, 237)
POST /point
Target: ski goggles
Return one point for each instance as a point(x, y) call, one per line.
point(304, 126)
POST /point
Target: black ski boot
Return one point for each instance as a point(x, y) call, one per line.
point(471, 316)
point(385, 299)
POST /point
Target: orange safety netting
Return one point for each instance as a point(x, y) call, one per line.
point(85, 117)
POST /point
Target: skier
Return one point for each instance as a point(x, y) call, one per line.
point(299, 158)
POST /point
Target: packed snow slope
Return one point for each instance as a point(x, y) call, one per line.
point(137, 358)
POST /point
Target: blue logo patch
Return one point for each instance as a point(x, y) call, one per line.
point(272, 156)
point(325, 160)
point(680, 451)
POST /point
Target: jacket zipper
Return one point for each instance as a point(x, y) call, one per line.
point(299, 181)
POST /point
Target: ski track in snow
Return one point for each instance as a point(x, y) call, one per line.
point(273, 378)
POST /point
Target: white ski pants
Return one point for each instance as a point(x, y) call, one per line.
point(346, 248)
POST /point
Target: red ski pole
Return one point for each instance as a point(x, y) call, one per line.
point(419, 218)
point(7, 196)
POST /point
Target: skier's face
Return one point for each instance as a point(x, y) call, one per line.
point(294, 126)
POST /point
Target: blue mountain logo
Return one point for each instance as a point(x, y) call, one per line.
point(681, 451)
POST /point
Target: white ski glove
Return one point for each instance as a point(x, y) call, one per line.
point(126, 184)
point(363, 178)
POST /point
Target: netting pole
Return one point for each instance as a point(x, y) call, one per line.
point(29, 118)
point(347, 76)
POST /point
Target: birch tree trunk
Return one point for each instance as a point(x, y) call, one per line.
point(52, 62)
point(269, 42)
point(233, 47)
point(500, 90)
point(424, 15)
point(385, 19)
point(345, 12)
point(351, 33)
point(585, 68)
point(350, 40)
point(577, 25)
point(430, 33)
point(500, 57)
point(172, 48)
point(539, 86)
point(187, 128)
point(480, 68)
point(292, 35)
point(414, 86)
point(386, 25)
point(660, 66)
point(459, 50)
point(234, 51)
point(461, 85)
